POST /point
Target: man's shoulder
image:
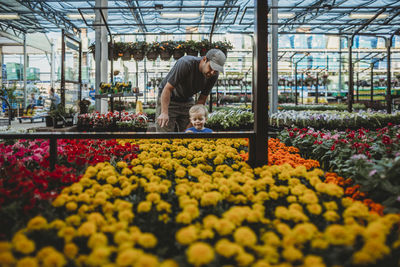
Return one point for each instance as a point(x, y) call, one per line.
point(188, 60)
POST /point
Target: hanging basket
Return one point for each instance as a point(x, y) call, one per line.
point(126, 56)
point(165, 55)
point(191, 52)
point(138, 55)
point(178, 54)
point(152, 55)
point(203, 52)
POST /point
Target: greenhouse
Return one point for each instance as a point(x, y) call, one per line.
point(200, 133)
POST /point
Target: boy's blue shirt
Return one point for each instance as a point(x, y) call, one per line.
point(205, 130)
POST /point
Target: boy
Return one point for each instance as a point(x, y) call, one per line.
point(198, 117)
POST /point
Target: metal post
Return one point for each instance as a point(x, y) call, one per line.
point(24, 74)
point(295, 83)
point(302, 87)
point(372, 85)
point(62, 86)
point(216, 97)
point(210, 101)
point(53, 64)
point(350, 93)
point(80, 70)
point(274, 59)
point(316, 90)
point(112, 61)
point(388, 43)
point(258, 148)
point(340, 67)
point(53, 152)
point(358, 87)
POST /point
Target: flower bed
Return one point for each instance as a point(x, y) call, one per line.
point(126, 121)
point(26, 184)
point(370, 158)
point(195, 203)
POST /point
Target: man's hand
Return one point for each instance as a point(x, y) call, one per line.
point(163, 119)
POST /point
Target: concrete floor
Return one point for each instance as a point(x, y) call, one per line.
point(16, 126)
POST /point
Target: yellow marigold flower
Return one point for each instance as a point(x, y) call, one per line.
point(37, 223)
point(292, 254)
point(378, 250)
point(314, 209)
point(84, 197)
point(331, 205)
point(245, 236)
point(309, 198)
point(7, 259)
point(73, 220)
point(291, 199)
point(210, 198)
point(96, 218)
point(97, 239)
point(283, 228)
point(144, 206)
point(68, 233)
point(356, 209)
point(87, 229)
point(180, 173)
point(209, 221)
point(99, 256)
point(126, 171)
point(153, 197)
point(218, 160)
point(122, 164)
point(331, 216)
point(282, 213)
point(261, 263)
point(126, 215)
point(24, 245)
point(57, 224)
point(187, 235)
point(128, 257)
point(147, 240)
point(338, 235)
point(184, 217)
point(70, 250)
point(5, 246)
point(226, 248)
point(27, 262)
point(362, 258)
point(192, 209)
point(91, 171)
point(273, 195)
point(200, 254)
point(54, 259)
point(169, 263)
point(147, 261)
point(122, 236)
point(313, 261)
point(111, 179)
point(319, 243)
point(60, 200)
point(206, 234)
point(164, 206)
point(244, 259)
point(224, 227)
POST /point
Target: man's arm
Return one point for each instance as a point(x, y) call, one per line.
point(202, 99)
point(163, 119)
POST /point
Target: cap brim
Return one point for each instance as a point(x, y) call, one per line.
point(216, 67)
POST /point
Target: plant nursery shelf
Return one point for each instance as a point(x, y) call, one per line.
point(118, 95)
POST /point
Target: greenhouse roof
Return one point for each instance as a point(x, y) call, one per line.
point(203, 16)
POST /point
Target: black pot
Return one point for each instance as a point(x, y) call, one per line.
point(49, 121)
point(69, 121)
point(165, 55)
point(126, 56)
point(178, 54)
point(191, 52)
point(58, 122)
point(138, 55)
point(152, 56)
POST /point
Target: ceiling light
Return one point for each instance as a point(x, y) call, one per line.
point(283, 15)
point(186, 15)
point(78, 16)
point(9, 16)
point(366, 16)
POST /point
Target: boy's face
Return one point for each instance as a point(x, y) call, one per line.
point(198, 120)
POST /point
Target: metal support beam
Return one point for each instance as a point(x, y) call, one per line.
point(372, 84)
point(44, 10)
point(101, 55)
point(24, 74)
point(273, 107)
point(258, 148)
point(295, 84)
point(213, 24)
point(62, 86)
point(316, 90)
point(137, 15)
point(389, 44)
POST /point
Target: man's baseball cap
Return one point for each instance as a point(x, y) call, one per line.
point(217, 59)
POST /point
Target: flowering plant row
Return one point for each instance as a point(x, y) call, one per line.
point(370, 158)
point(337, 107)
point(112, 121)
point(26, 183)
point(195, 203)
point(333, 120)
point(226, 119)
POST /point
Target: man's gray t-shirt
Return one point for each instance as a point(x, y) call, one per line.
point(187, 80)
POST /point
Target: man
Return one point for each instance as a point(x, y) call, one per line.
point(189, 76)
point(54, 98)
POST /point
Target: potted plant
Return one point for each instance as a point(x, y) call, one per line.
point(153, 50)
point(192, 48)
point(204, 46)
point(166, 49)
point(118, 50)
point(179, 49)
point(224, 46)
point(69, 117)
point(83, 106)
point(138, 50)
point(58, 115)
point(126, 47)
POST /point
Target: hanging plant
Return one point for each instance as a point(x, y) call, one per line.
point(179, 49)
point(224, 46)
point(166, 48)
point(153, 50)
point(126, 51)
point(204, 46)
point(192, 48)
point(138, 50)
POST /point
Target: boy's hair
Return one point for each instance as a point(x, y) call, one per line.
point(198, 108)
